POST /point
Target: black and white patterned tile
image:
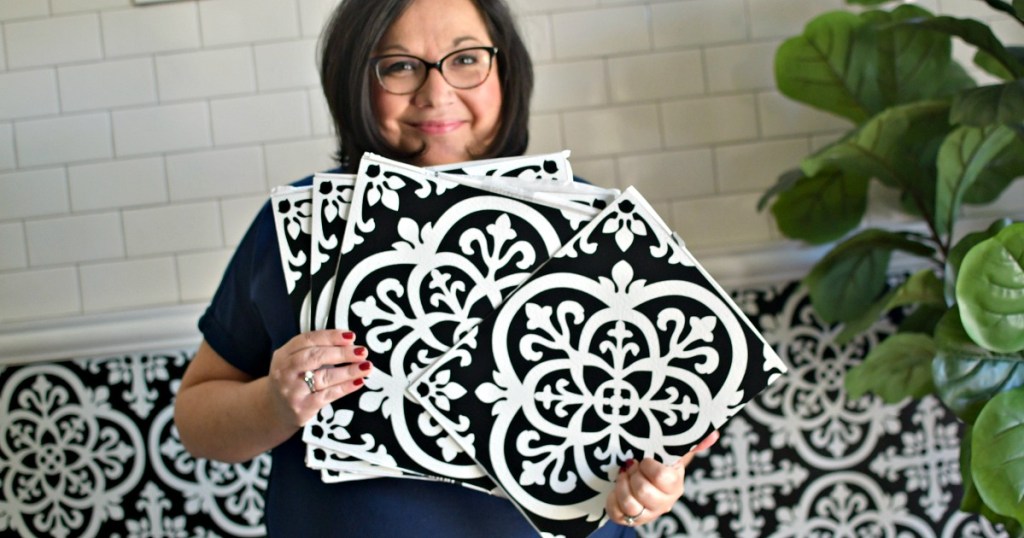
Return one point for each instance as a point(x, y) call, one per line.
point(88, 449)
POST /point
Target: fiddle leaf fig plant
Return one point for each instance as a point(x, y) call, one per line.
point(936, 140)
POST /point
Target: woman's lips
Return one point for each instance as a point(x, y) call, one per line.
point(438, 127)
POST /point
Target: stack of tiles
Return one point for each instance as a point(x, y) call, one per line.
point(529, 333)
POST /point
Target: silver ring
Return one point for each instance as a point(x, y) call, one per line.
point(631, 520)
point(308, 378)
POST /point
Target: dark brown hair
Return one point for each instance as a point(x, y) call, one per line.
point(347, 44)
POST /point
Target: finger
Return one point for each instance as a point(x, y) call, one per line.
point(326, 378)
point(314, 358)
point(708, 442)
point(705, 444)
point(625, 503)
point(655, 482)
point(337, 391)
point(323, 337)
point(684, 461)
point(313, 403)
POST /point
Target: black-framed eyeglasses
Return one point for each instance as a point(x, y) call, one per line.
point(463, 69)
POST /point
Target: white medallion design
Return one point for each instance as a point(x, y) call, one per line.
point(743, 481)
point(928, 456)
point(144, 373)
point(67, 458)
point(603, 355)
point(419, 315)
point(153, 505)
point(443, 253)
point(849, 505)
point(232, 494)
point(808, 408)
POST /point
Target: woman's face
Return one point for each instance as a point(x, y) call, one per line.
point(453, 125)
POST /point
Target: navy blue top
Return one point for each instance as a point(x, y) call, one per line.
point(250, 317)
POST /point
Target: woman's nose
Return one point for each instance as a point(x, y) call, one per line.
point(435, 91)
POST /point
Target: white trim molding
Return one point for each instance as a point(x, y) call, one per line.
point(172, 327)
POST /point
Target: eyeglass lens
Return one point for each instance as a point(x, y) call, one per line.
point(462, 69)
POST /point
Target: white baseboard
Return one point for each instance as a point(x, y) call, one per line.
point(172, 327)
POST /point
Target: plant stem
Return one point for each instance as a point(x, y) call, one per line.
point(929, 219)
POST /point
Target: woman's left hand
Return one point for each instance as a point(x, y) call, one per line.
point(647, 489)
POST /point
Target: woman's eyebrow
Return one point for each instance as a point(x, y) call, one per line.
point(397, 47)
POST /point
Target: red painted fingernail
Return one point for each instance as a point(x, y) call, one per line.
point(365, 365)
point(626, 465)
point(358, 382)
point(359, 351)
point(348, 335)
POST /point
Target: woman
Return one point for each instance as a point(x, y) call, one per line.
point(428, 82)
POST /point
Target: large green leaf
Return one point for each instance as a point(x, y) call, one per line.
point(831, 66)
point(991, 66)
point(997, 454)
point(971, 501)
point(1000, 172)
point(888, 146)
point(964, 155)
point(923, 287)
point(785, 181)
point(975, 33)
point(849, 279)
point(856, 326)
point(961, 248)
point(990, 291)
point(922, 319)
point(966, 375)
point(987, 105)
point(821, 208)
point(914, 63)
point(898, 367)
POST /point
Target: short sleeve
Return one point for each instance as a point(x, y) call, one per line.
point(233, 324)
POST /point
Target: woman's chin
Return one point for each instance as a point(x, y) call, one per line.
point(439, 156)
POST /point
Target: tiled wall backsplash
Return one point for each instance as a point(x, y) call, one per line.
point(137, 142)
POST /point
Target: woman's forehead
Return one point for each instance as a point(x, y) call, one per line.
point(435, 26)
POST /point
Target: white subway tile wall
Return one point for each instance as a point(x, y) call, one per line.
point(208, 73)
point(112, 84)
point(129, 284)
point(7, 161)
point(24, 94)
point(71, 6)
point(63, 139)
point(76, 238)
point(151, 29)
point(200, 272)
point(137, 142)
point(118, 184)
point(17, 9)
point(53, 40)
point(12, 244)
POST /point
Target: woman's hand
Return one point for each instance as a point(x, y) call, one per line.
point(647, 489)
point(331, 361)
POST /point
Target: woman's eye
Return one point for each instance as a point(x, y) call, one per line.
point(466, 59)
point(398, 67)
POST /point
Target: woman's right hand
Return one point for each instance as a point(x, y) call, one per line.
point(338, 367)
